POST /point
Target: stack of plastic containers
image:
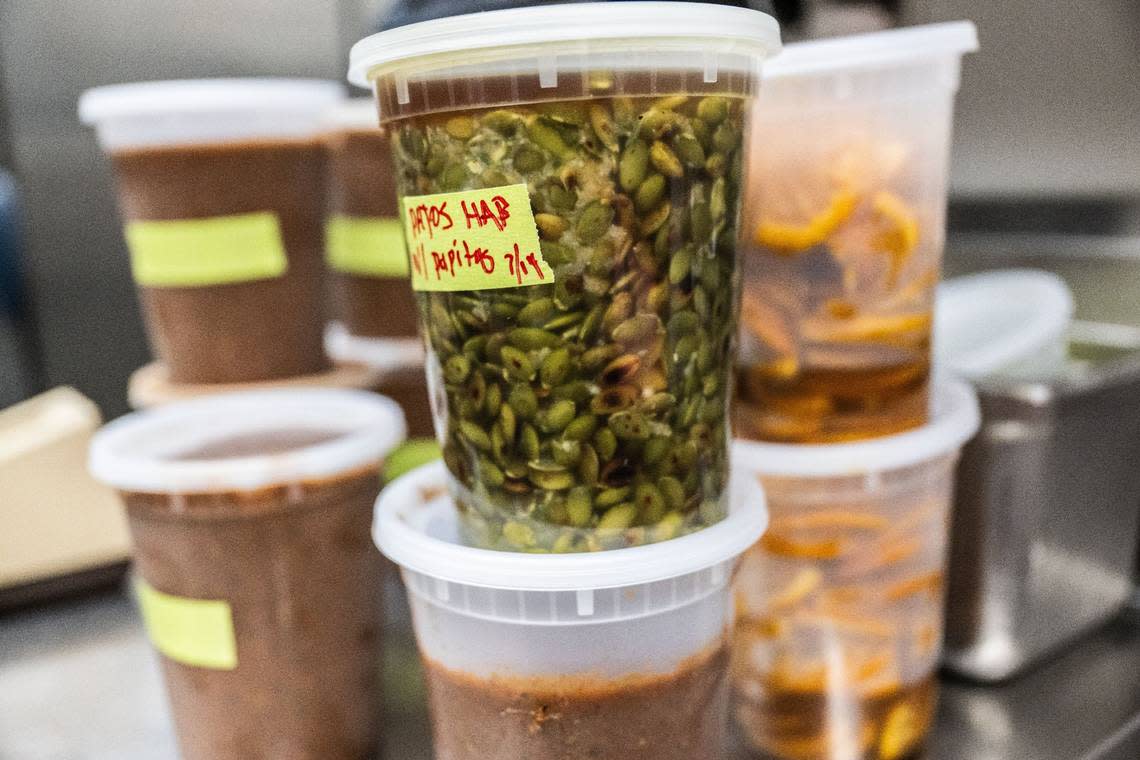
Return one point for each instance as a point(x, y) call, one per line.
point(841, 602)
point(569, 181)
point(222, 191)
point(373, 312)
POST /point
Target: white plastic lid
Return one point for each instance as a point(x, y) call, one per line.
point(139, 452)
point(954, 418)
point(990, 320)
point(353, 113)
point(377, 353)
point(494, 35)
point(207, 110)
point(417, 526)
point(876, 49)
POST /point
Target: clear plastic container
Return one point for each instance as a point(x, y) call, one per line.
point(1013, 322)
point(259, 585)
point(839, 606)
point(364, 243)
point(221, 189)
point(844, 225)
point(609, 656)
point(580, 353)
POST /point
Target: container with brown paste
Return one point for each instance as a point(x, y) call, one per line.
point(255, 575)
point(611, 655)
point(364, 242)
point(222, 190)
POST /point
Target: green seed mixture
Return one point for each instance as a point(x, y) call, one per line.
point(591, 413)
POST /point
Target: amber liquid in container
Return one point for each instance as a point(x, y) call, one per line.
point(840, 617)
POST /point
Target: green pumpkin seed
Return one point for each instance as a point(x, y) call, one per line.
point(490, 474)
point(454, 177)
point(566, 452)
point(588, 465)
point(550, 226)
point(672, 491)
point(649, 193)
point(461, 127)
point(558, 416)
point(549, 139)
point(529, 445)
point(581, 428)
point(532, 338)
point(502, 121)
point(633, 166)
point(456, 369)
point(680, 265)
point(523, 402)
point(594, 222)
point(475, 435)
point(650, 504)
point(611, 496)
point(517, 364)
point(550, 476)
point(655, 219)
point(665, 160)
point(629, 425)
point(536, 312)
point(604, 127)
point(712, 109)
point(579, 506)
point(620, 516)
point(606, 443)
point(637, 329)
point(518, 535)
point(528, 159)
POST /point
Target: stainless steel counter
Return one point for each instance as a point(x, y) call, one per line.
point(78, 682)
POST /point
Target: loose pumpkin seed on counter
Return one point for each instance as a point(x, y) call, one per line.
point(589, 412)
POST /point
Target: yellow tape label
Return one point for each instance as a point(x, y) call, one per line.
point(474, 240)
point(213, 251)
point(195, 632)
point(366, 246)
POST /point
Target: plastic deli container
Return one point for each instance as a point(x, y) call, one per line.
point(221, 188)
point(1012, 322)
point(364, 239)
point(256, 577)
point(840, 604)
point(844, 224)
point(608, 656)
point(569, 178)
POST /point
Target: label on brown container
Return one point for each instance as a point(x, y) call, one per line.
point(474, 240)
point(212, 251)
point(194, 632)
point(366, 246)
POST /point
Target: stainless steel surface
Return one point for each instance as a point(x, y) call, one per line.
point(79, 682)
point(1047, 520)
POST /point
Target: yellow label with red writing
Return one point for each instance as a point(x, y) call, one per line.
point(474, 240)
point(195, 632)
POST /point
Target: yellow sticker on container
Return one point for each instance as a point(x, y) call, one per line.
point(474, 240)
point(195, 632)
point(368, 246)
point(213, 251)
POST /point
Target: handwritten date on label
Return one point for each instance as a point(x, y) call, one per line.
point(474, 240)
